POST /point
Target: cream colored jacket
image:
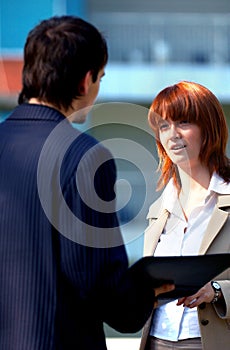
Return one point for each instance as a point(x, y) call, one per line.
point(214, 320)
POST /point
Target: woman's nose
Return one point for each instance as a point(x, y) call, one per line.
point(175, 134)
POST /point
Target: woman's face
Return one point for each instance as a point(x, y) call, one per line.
point(181, 141)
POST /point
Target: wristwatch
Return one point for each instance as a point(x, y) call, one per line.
point(217, 289)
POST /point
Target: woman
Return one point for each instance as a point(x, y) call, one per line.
point(192, 215)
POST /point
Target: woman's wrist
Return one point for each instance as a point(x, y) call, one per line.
point(217, 291)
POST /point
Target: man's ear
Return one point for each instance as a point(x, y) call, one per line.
point(85, 83)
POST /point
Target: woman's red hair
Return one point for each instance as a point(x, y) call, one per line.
point(197, 104)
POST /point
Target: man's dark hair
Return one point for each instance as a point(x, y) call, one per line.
point(57, 55)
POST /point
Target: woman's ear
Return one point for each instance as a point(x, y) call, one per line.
point(85, 83)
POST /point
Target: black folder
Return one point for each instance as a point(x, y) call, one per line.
point(188, 273)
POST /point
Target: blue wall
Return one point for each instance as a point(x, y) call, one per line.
point(17, 17)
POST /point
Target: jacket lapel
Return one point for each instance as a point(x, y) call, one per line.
point(153, 232)
point(216, 222)
point(218, 219)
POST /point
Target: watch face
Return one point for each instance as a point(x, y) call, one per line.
point(216, 285)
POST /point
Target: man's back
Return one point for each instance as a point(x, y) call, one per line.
point(63, 265)
point(48, 282)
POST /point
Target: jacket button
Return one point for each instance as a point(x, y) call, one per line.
point(202, 306)
point(204, 322)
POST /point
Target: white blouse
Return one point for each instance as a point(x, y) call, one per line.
point(172, 322)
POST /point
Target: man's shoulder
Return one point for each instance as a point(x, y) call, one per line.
point(89, 146)
point(87, 154)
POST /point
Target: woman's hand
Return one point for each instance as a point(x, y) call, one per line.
point(164, 289)
point(204, 295)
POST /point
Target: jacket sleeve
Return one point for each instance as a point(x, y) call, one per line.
point(222, 307)
point(125, 300)
point(98, 270)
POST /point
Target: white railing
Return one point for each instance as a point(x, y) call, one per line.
point(159, 37)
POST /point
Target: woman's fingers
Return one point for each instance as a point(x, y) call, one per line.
point(164, 289)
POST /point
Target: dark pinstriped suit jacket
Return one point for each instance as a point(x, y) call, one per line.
point(57, 289)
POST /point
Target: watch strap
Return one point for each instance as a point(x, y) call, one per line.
point(216, 291)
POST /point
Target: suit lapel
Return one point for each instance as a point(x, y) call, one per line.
point(216, 222)
point(153, 232)
point(218, 219)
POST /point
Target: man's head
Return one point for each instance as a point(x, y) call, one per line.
point(58, 54)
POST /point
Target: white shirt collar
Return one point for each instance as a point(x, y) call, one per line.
point(217, 185)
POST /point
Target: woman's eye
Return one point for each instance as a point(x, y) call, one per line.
point(184, 122)
point(163, 126)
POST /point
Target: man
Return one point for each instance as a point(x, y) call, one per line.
point(63, 267)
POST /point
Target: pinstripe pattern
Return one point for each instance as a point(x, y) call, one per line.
point(54, 293)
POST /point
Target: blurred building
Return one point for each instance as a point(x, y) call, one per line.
point(152, 43)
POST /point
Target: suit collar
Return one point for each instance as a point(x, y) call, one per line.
point(153, 232)
point(217, 221)
point(27, 111)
